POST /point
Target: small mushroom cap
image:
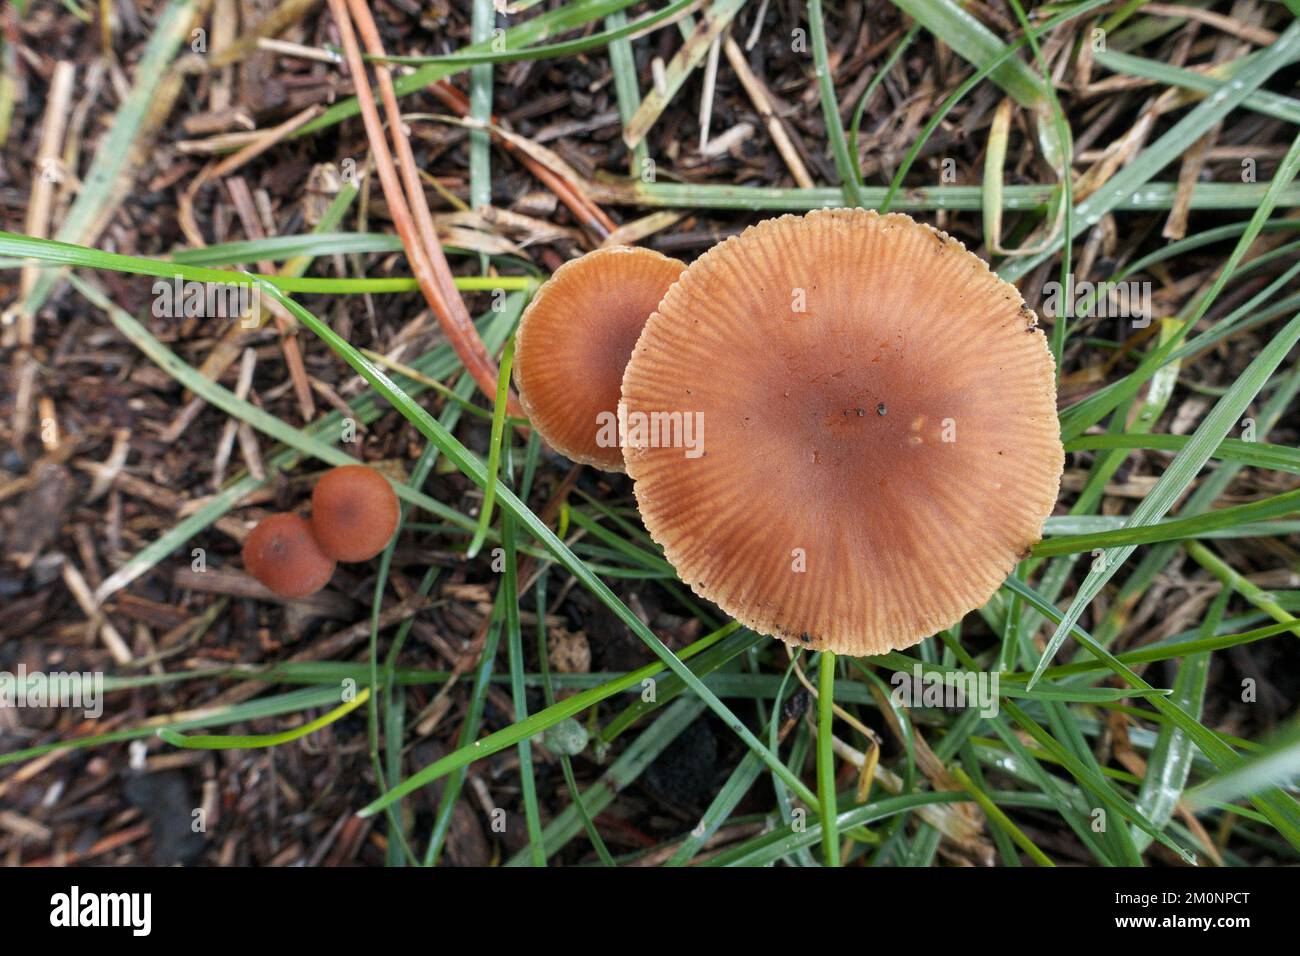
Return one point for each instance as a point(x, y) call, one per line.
point(354, 512)
point(574, 341)
point(282, 553)
point(880, 438)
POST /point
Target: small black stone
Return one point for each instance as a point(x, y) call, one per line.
point(167, 802)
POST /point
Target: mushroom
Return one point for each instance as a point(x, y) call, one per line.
point(354, 512)
point(573, 343)
point(283, 554)
point(882, 442)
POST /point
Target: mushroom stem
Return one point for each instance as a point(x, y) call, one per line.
point(826, 759)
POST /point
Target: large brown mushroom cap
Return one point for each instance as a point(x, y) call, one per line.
point(880, 439)
point(354, 512)
point(574, 341)
point(282, 553)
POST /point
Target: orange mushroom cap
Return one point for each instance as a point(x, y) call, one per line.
point(573, 343)
point(880, 441)
point(282, 553)
point(354, 512)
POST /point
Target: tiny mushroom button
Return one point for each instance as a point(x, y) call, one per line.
point(354, 512)
point(282, 553)
point(881, 440)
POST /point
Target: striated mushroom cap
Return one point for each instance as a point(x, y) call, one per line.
point(282, 553)
point(354, 512)
point(880, 439)
point(573, 343)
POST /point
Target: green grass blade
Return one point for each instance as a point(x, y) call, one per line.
point(1180, 473)
point(252, 741)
